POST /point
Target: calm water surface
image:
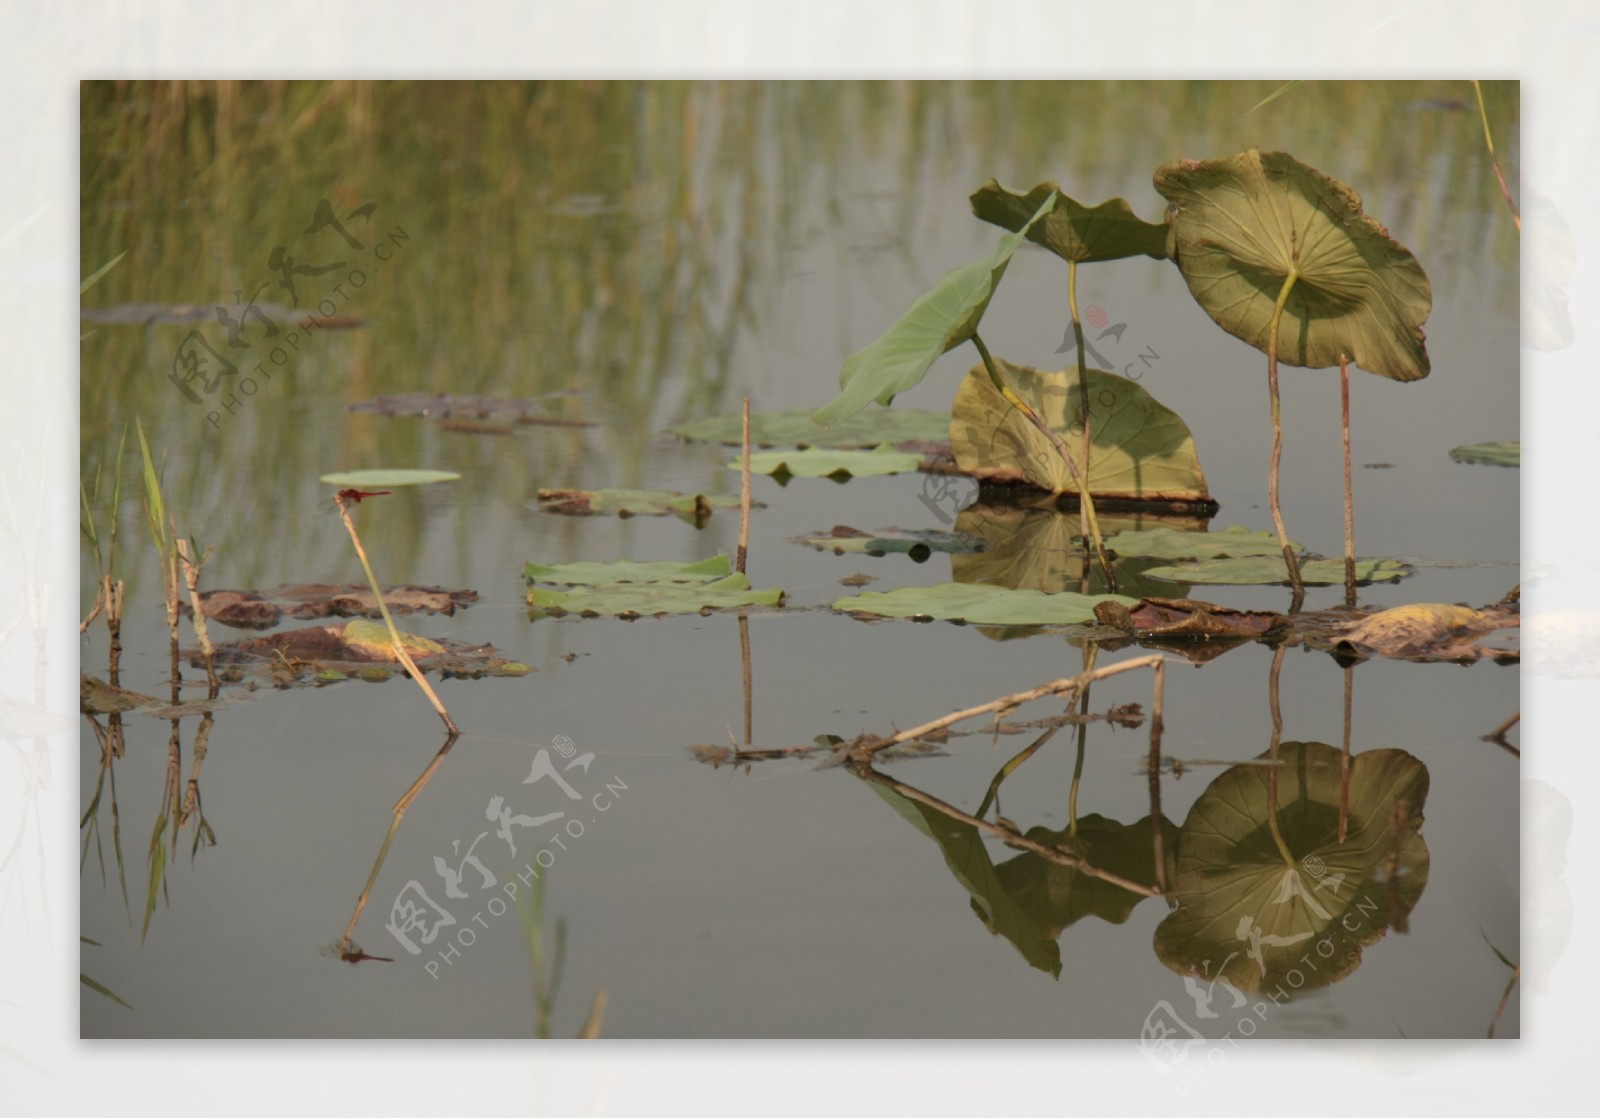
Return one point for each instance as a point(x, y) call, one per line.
point(661, 250)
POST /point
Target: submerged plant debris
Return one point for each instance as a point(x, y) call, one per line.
point(265, 609)
point(329, 653)
point(1426, 631)
point(696, 508)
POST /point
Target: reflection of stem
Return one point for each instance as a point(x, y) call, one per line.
point(1158, 844)
point(1344, 757)
point(1349, 504)
point(744, 661)
point(394, 634)
point(397, 812)
point(1272, 768)
point(993, 793)
point(1277, 443)
point(1011, 836)
point(1078, 476)
point(1090, 651)
point(1004, 703)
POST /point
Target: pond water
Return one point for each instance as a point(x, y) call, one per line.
point(655, 252)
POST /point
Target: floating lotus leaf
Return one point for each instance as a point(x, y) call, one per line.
point(1071, 230)
point(1246, 915)
point(695, 508)
point(796, 428)
point(919, 544)
point(829, 463)
point(1506, 453)
point(1267, 571)
point(1039, 549)
point(252, 610)
point(1142, 451)
point(388, 479)
point(939, 321)
point(627, 571)
point(1166, 543)
point(459, 406)
point(635, 600)
point(310, 655)
point(1239, 227)
point(980, 605)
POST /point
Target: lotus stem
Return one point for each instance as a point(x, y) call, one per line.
point(1344, 754)
point(1349, 502)
point(1277, 444)
point(1488, 142)
point(1158, 841)
point(1086, 503)
point(744, 494)
point(1090, 651)
point(394, 633)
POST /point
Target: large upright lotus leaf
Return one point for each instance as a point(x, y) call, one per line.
point(796, 428)
point(1239, 226)
point(968, 859)
point(940, 320)
point(1246, 915)
point(1039, 549)
point(1071, 230)
point(1142, 450)
point(980, 605)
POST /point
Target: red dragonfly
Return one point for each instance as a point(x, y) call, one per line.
point(351, 497)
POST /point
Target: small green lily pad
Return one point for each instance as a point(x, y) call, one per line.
point(589, 573)
point(1270, 571)
point(919, 544)
point(819, 463)
point(796, 428)
point(1165, 543)
point(1505, 453)
point(372, 479)
point(980, 605)
point(634, 600)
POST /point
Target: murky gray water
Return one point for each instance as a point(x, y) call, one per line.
point(663, 250)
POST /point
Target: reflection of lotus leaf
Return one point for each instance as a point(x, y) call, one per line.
point(1244, 915)
point(1039, 549)
point(1141, 450)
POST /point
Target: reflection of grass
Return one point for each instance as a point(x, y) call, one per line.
point(95, 985)
point(1511, 983)
point(547, 980)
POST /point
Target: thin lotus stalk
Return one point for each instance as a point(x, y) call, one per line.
point(1277, 444)
point(744, 493)
point(383, 608)
point(597, 1013)
point(1272, 767)
point(1017, 699)
point(1488, 142)
point(1505, 997)
point(1344, 755)
point(744, 664)
point(191, 579)
point(1158, 841)
point(1090, 651)
point(1085, 503)
point(1011, 836)
point(396, 814)
point(1078, 476)
point(1349, 501)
